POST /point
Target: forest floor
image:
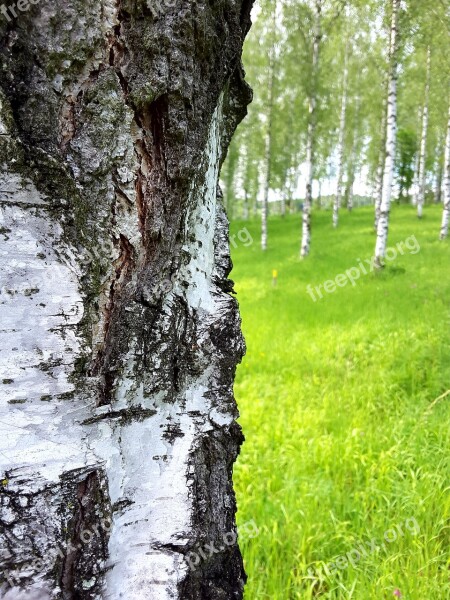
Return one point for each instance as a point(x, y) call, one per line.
point(346, 465)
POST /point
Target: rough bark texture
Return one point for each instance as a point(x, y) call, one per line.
point(391, 138)
point(119, 336)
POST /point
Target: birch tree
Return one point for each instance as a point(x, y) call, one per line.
point(119, 337)
point(340, 150)
point(423, 141)
point(391, 124)
point(310, 136)
point(446, 206)
point(380, 167)
point(268, 148)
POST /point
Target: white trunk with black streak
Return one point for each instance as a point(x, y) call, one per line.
point(119, 335)
point(340, 173)
point(380, 168)
point(391, 134)
point(446, 207)
point(310, 139)
point(423, 142)
point(268, 141)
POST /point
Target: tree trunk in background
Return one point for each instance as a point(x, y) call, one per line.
point(310, 140)
point(423, 142)
point(268, 144)
point(119, 336)
point(415, 184)
point(446, 209)
point(340, 174)
point(353, 159)
point(283, 203)
point(380, 168)
point(246, 206)
point(391, 134)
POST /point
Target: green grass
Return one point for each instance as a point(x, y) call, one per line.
point(343, 441)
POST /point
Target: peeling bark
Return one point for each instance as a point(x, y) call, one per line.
point(119, 336)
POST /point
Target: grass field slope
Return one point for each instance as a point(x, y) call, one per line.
point(346, 466)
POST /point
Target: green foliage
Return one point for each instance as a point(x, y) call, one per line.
point(336, 398)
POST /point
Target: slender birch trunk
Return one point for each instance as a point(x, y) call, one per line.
point(119, 337)
point(268, 141)
point(338, 196)
point(352, 167)
point(415, 183)
point(391, 134)
point(423, 142)
point(310, 142)
point(446, 207)
point(380, 168)
point(438, 187)
point(246, 206)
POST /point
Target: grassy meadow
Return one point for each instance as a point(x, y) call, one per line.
point(347, 446)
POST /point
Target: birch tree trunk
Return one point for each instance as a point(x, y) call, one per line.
point(340, 175)
point(446, 207)
point(246, 206)
point(415, 196)
point(423, 142)
point(310, 140)
point(119, 336)
point(391, 134)
point(268, 142)
point(380, 168)
point(353, 156)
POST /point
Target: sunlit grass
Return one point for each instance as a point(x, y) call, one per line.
point(335, 400)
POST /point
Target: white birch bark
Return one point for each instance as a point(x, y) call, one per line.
point(380, 168)
point(340, 173)
point(415, 184)
point(119, 337)
point(310, 140)
point(268, 140)
point(246, 206)
point(423, 142)
point(446, 185)
point(391, 127)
